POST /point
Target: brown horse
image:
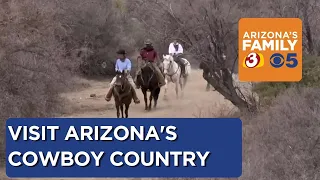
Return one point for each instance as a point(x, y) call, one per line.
point(148, 81)
point(122, 93)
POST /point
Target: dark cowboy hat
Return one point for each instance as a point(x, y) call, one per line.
point(121, 51)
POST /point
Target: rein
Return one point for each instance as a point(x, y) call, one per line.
point(148, 79)
point(170, 67)
point(122, 88)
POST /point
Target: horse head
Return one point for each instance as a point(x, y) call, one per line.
point(147, 73)
point(146, 68)
point(121, 80)
point(167, 63)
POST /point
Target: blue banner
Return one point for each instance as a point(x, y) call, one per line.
point(134, 147)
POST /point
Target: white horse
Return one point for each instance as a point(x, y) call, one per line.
point(172, 72)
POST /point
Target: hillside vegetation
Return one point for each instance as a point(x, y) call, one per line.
point(45, 44)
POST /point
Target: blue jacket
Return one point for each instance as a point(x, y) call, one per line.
point(125, 65)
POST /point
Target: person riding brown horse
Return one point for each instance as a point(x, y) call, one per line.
point(122, 93)
point(149, 82)
point(123, 64)
point(149, 54)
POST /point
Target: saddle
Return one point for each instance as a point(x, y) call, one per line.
point(142, 66)
point(148, 63)
point(181, 64)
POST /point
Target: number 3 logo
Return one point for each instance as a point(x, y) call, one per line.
point(253, 60)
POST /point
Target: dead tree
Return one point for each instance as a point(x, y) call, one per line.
point(208, 36)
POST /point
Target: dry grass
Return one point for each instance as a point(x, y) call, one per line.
point(34, 68)
point(42, 44)
point(217, 110)
point(283, 141)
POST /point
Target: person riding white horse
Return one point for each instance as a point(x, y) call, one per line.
point(173, 74)
point(176, 50)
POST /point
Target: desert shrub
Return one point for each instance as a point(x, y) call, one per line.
point(34, 68)
point(217, 110)
point(310, 78)
point(44, 44)
point(97, 30)
point(283, 142)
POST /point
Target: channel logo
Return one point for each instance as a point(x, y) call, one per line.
point(277, 60)
point(253, 60)
point(270, 49)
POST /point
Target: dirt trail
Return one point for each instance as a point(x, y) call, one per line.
point(196, 99)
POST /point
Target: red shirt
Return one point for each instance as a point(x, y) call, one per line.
point(148, 55)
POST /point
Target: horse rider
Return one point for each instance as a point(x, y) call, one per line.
point(123, 64)
point(148, 53)
point(176, 50)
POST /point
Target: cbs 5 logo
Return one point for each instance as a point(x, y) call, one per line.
point(253, 60)
point(277, 60)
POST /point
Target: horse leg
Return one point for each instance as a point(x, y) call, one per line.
point(155, 102)
point(126, 110)
point(145, 99)
point(181, 81)
point(185, 79)
point(155, 97)
point(150, 100)
point(165, 89)
point(177, 88)
point(121, 108)
point(118, 112)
